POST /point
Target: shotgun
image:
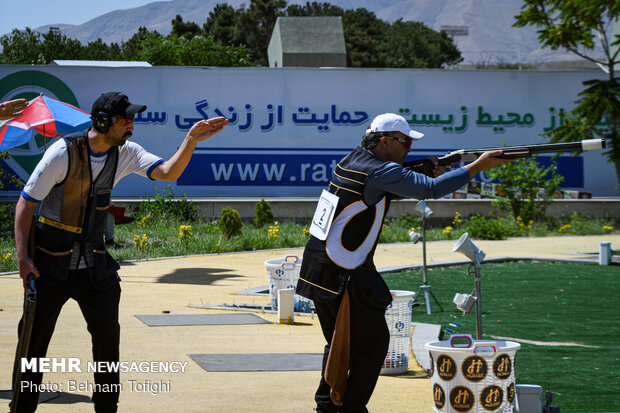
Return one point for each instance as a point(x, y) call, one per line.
point(30, 304)
point(27, 321)
point(426, 166)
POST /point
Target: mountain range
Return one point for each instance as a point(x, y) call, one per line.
point(484, 27)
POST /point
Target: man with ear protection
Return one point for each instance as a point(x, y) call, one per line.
point(338, 272)
point(71, 186)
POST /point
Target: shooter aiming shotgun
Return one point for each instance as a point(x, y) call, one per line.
point(426, 166)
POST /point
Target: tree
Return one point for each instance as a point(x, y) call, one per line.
point(57, 46)
point(220, 24)
point(365, 36)
point(251, 28)
point(184, 29)
point(314, 9)
point(412, 44)
point(21, 47)
point(199, 51)
point(256, 26)
point(370, 42)
point(131, 48)
point(576, 26)
point(28, 47)
point(98, 50)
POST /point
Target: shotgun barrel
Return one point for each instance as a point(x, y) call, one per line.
point(426, 166)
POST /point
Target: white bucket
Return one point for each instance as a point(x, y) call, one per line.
point(283, 274)
point(398, 319)
point(473, 375)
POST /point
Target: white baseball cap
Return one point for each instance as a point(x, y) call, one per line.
point(391, 122)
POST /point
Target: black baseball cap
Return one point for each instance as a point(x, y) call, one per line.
point(116, 103)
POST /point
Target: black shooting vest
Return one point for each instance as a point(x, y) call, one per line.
point(354, 233)
point(72, 218)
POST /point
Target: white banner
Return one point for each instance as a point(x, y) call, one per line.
point(289, 127)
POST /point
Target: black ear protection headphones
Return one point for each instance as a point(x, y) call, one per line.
point(102, 120)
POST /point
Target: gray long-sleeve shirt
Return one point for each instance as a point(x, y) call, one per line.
point(395, 179)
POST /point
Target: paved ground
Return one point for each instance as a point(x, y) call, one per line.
point(153, 287)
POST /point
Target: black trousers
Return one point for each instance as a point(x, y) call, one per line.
point(100, 310)
point(370, 339)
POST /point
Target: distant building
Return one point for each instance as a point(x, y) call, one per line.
point(307, 42)
point(99, 63)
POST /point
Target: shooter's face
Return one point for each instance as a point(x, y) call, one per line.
point(120, 131)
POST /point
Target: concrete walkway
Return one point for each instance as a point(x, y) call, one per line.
point(172, 285)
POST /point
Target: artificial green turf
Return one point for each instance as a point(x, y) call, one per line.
point(547, 302)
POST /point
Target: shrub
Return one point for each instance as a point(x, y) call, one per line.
point(230, 222)
point(7, 218)
point(263, 213)
point(165, 204)
point(580, 225)
point(526, 187)
point(493, 229)
point(407, 220)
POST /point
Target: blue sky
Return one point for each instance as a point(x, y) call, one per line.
point(35, 13)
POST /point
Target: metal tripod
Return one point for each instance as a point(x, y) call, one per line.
point(478, 294)
point(425, 288)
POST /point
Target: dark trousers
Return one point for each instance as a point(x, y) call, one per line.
point(100, 310)
point(370, 339)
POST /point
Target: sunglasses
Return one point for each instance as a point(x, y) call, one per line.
point(405, 140)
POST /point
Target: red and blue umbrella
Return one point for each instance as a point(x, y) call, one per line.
point(46, 116)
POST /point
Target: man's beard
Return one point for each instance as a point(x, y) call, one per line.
point(124, 139)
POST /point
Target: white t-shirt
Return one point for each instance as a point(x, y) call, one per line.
point(52, 169)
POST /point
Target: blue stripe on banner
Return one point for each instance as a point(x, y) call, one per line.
point(263, 167)
point(570, 167)
point(259, 169)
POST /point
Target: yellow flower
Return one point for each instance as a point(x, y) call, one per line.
point(273, 231)
point(305, 231)
point(608, 228)
point(185, 232)
point(565, 229)
point(5, 259)
point(457, 219)
point(448, 231)
point(144, 221)
point(141, 242)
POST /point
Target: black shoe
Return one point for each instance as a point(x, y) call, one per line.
point(110, 243)
point(329, 409)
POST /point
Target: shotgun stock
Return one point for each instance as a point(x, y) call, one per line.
point(426, 166)
point(30, 305)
